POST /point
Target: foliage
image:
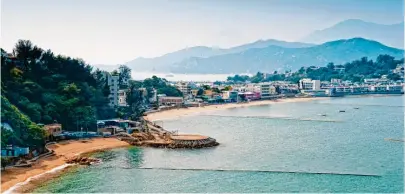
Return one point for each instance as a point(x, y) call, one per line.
point(49, 88)
point(124, 75)
point(355, 71)
point(238, 78)
point(134, 100)
point(161, 85)
point(200, 92)
point(25, 132)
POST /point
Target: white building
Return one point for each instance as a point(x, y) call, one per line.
point(122, 97)
point(335, 81)
point(184, 87)
point(112, 82)
point(308, 84)
point(154, 96)
point(265, 90)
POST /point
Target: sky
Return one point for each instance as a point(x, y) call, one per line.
point(113, 32)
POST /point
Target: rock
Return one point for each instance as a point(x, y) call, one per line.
point(81, 160)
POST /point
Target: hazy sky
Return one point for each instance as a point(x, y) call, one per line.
point(117, 31)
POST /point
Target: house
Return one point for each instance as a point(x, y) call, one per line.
point(231, 96)
point(112, 82)
point(184, 87)
point(208, 93)
point(170, 100)
point(15, 151)
point(308, 84)
point(335, 81)
point(122, 97)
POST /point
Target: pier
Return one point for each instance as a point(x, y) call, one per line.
point(155, 136)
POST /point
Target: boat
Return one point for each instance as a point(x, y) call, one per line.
point(342, 111)
point(356, 107)
point(324, 115)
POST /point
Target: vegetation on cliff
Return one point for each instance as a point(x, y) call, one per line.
point(53, 88)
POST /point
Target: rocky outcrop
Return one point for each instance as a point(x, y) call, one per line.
point(203, 143)
point(82, 160)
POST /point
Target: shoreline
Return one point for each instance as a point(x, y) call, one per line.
point(15, 179)
point(18, 180)
point(190, 111)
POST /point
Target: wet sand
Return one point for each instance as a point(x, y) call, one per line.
point(174, 113)
point(66, 149)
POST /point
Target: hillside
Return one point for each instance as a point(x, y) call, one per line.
point(273, 57)
point(163, 63)
point(390, 35)
point(52, 88)
point(25, 132)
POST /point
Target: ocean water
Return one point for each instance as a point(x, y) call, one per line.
point(285, 137)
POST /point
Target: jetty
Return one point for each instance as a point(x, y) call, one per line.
point(154, 135)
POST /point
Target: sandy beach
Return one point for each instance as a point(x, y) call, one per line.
point(174, 113)
point(63, 150)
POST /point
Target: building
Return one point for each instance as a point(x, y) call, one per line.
point(340, 69)
point(153, 98)
point(335, 81)
point(308, 84)
point(170, 100)
point(194, 92)
point(122, 97)
point(184, 87)
point(112, 82)
point(395, 88)
point(265, 90)
point(208, 93)
point(371, 81)
point(231, 96)
point(380, 88)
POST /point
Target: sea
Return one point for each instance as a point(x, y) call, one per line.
point(310, 146)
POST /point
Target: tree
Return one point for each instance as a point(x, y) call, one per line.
point(216, 90)
point(394, 77)
point(206, 87)
point(124, 75)
point(134, 100)
point(330, 66)
point(218, 83)
point(200, 92)
point(228, 88)
point(50, 87)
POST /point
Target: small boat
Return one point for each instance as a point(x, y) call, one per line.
point(356, 107)
point(324, 115)
point(342, 111)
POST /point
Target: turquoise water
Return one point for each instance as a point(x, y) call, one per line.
point(280, 137)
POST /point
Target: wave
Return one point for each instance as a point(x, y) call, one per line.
point(19, 185)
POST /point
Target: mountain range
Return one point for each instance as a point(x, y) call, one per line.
point(346, 41)
point(263, 56)
point(164, 63)
point(280, 58)
point(391, 35)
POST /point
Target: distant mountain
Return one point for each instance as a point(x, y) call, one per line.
point(390, 35)
point(164, 63)
point(274, 57)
